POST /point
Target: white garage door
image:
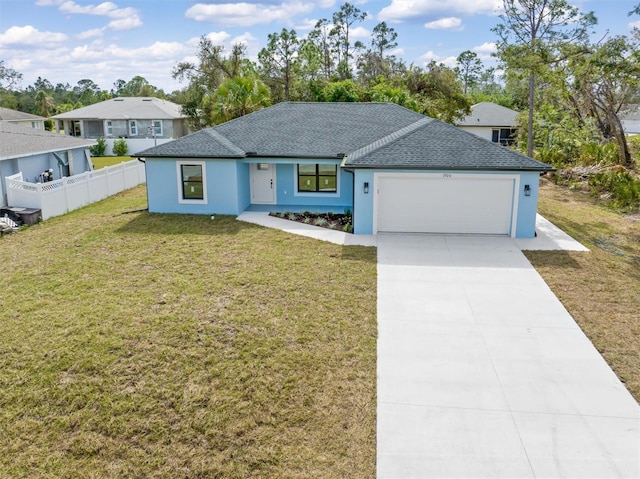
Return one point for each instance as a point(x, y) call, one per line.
point(467, 204)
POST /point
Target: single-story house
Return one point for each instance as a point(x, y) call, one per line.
point(142, 121)
point(22, 118)
point(493, 122)
point(395, 169)
point(33, 152)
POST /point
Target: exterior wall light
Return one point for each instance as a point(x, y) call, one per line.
point(366, 187)
point(527, 190)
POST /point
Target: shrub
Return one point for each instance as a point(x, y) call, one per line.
point(99, 149)
point(120, 147)
point(622, 188)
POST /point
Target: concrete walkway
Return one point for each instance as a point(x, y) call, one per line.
point(482, 373)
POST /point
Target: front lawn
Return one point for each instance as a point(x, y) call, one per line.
point(138, 345)
point(601, 289)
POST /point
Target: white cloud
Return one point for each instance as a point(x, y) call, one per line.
point(247, 14)
point(449, 23)
point(486, 47)
point(633, 25)
point(217, 38)
point(401, 10)
point(306, 25)
point(95, 32)
point(359, 32)
point(430, 56)
point(125, 23)
point(122, 18)
point(28, 35)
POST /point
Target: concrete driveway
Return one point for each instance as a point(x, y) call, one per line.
point(482, 373)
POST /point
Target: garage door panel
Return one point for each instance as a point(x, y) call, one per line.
point(427, 204)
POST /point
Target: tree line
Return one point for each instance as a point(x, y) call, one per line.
point(572, 90)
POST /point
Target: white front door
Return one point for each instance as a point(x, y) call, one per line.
point(263, 183)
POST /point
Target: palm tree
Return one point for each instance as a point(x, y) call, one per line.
point(45, 102)
point(239, 96)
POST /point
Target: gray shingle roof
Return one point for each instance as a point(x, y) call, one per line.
point(433, 144)
point(371, 135)
point(13, 115)
point(490, 114)
point(125, 108)
point(17, 141)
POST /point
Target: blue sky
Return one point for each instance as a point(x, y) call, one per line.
point(65, 41)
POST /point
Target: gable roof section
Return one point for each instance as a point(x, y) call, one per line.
point(296, 130)
point(126, 108)
point(434, 145)
point(8, 114)
point(490, 114)
point(18, 141)
point(206, 143)
point(367, 135)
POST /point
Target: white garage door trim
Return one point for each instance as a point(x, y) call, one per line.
point(439, 180)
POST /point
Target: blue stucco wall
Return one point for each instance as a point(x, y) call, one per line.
point(222, 187)
point(363, 202)
point(527, 205)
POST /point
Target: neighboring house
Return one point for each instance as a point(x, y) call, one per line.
point(397, 170)
point(33, 151)
point(493, 122)
point(142, 121)
point(630, 119)
point(22, 118)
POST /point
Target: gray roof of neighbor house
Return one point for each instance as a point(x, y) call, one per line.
point(366, 135)
point(17, 141)
point(8, 114)
point(490, 114)
point(126, 108)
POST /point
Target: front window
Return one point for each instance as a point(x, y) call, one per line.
point(317, 178)
point(133, 128)
point(109, 128)
point(192, 182)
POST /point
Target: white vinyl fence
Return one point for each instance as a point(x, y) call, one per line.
point(70, 193)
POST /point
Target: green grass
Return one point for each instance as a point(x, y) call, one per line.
point(601, 288)
point(102, 161)
point(138, 345)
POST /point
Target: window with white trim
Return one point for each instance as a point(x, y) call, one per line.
point(133, 128)
point(156, 127)
point(317, 178)
point(192, 182)
point(109, 127)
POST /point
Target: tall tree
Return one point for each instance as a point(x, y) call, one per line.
point(213, 69)
point(341, 33)
point(9, 78)
point(531, 35)
point(278, 61)
point(602, 82)
point(319, 46)
point(376, 62)
point(468, 69)
point(438, 92)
